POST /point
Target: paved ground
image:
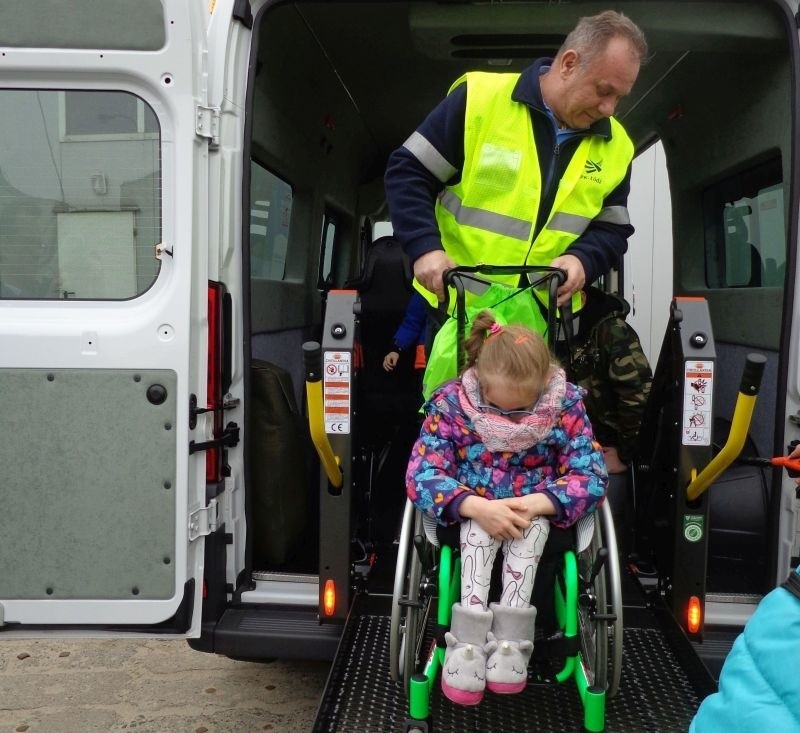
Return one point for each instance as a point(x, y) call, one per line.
point(148, 686)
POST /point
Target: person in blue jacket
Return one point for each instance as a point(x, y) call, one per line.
point(410, 332)
point(759, 687)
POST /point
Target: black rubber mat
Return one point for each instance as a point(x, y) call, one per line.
point(656, 692)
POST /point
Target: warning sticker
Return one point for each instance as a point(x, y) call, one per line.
point(697, 390)
point(336, 391)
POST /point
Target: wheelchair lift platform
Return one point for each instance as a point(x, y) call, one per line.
point(663, 682)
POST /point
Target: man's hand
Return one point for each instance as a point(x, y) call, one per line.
point(429, 268)
point(576, 277)
point(495, 517)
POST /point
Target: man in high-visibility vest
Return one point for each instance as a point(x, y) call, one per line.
point(526, 168)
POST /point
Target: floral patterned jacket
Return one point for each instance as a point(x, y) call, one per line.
point(449, 459)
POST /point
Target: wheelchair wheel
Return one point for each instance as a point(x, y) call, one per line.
point(600, 607)
point(410, 599)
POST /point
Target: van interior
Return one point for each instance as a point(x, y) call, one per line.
point(336, 86)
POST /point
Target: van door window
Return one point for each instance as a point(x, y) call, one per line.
point(105, 116)
point(745, 229)
point(270, 216)
point(80, 195)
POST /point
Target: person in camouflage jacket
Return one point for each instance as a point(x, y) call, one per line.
point(608, 362)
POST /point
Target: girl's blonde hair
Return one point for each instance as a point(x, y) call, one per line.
point(515, 353)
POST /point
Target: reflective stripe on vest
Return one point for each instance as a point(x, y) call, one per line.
point(430, 157)
point(490, 214)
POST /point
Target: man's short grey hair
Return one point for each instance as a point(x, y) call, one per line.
point(591, 36)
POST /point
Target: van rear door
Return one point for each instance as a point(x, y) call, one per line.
point(103, 316)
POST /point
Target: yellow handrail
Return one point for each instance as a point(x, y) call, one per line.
point(740, 425)
point(312, 354)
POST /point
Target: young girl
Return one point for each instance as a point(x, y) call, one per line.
point(506, 451)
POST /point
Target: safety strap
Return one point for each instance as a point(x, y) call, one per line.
point(792, 584)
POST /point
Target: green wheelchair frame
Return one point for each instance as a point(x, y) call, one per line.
point(588, 597)
point(588, 609)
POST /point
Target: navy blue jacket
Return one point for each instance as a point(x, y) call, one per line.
point(411, 189)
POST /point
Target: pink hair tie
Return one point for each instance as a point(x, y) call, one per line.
point(494, 329)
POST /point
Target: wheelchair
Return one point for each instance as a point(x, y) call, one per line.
point(578, 586)
point(586, 642)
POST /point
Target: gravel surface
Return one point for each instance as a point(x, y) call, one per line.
point(150, 685)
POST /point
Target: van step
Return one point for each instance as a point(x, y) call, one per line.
point(714, 649)
point(258, 632)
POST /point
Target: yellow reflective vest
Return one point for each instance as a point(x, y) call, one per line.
point(489, 216)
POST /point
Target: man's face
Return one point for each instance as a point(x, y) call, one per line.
point(591, 92)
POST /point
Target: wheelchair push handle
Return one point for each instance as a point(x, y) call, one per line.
point(455, 277)
point(484, 269)
point(465, 277)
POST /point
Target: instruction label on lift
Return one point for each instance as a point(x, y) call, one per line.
point(698, 385)
point(336, 391)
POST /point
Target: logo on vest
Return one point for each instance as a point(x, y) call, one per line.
point(591, 169)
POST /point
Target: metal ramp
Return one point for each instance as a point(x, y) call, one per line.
point(663, 682)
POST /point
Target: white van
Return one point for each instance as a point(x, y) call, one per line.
point(188, 195)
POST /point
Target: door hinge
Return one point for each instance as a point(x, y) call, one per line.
point(203, 522)
point(206, 124)
point(194, 410)
point(228, 439)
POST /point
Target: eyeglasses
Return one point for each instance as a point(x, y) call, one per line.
point(516, 412)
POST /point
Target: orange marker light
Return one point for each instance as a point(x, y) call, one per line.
point(694, 614)
point(329, 598)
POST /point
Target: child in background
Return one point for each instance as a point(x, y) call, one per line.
point(759, 688)
point(411, 332)
point(609, 363)
point(607, 360)
point(504, 451)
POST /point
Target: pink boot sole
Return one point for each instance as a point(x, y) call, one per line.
point(461, 697)
point(506, 688)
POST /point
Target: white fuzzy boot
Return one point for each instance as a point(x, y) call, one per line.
point(464, 666)
point(510, 644)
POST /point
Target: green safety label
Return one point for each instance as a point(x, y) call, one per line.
point(693, 525)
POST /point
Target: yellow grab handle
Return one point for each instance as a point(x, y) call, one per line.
point(312, 356)
point(740, 425)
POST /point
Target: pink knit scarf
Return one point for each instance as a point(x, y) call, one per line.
point(500, 433)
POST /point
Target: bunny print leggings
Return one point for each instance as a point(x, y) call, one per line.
point(520, 560)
